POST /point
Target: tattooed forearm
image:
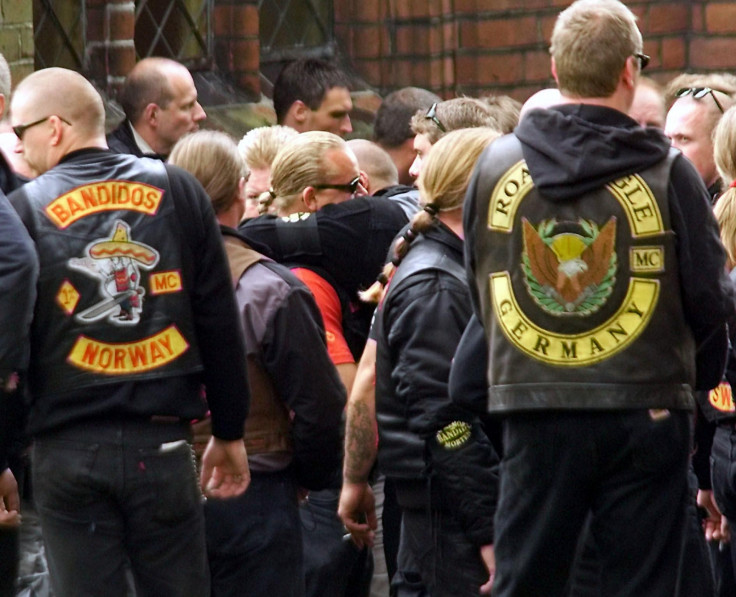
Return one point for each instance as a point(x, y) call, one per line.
point(360, 441)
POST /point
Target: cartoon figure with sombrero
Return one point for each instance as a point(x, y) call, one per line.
point(116, 262)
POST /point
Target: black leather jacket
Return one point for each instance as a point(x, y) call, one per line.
point(417, 328)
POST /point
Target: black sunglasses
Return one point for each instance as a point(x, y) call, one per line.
point(643, 60)
point(351, 187)
point(432, 115)
point(20, 129)
point(700, 92)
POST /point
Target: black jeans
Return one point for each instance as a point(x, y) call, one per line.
point(723, 475)
point(254, 541)
point(435, 555)
point(333, 565)
point(113, 496)
point(626, 468)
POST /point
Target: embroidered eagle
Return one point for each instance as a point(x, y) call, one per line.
point(569, 273)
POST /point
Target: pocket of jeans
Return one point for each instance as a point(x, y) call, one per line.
point(658, 440)
point(175, 479)
point(62, 473)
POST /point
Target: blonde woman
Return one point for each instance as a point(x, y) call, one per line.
point(418, 325)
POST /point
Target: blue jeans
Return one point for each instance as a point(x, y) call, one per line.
point(113, 496)
point(628, 469)
point(254, 541)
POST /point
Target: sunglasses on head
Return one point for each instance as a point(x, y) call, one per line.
point(351, 187)
point(432, 115)
point(700, 92)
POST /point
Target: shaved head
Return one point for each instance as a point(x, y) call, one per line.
point(63, 92)
point(57, 111)
point(376, 163)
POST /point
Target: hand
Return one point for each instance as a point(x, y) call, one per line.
point(715, 525)
point(9, 500)
point(225, 472)
point(489, 559)
point(357, 510)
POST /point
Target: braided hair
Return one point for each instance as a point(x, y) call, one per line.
point(442, 184)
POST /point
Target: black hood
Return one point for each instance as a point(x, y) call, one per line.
point(575, 148)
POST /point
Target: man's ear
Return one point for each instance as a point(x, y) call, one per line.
point(309, 197)
point(2, 105)
point(365, 182)
point(630, 72)
point(299, 111)
point(150, 114)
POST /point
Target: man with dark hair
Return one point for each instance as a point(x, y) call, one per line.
point(313, 95)
point(392, 126)
point(160, 104)
point(599, 323)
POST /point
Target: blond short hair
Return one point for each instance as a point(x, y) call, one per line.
point(457, 113)
point(259, 146)
point(213, 158)
point(300, 164)
point(591, 41)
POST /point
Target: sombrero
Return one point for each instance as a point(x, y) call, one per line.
point(120, 246)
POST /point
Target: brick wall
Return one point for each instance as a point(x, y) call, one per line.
point(110, 50)
point(501, 46)
point(237, 46)
point(449, 46)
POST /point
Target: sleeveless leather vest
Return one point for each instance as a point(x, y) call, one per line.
point(113, 301)
point(580, 297)
point(267, 427)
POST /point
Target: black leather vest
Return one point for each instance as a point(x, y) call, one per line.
point(114, 297)
point(581, 297)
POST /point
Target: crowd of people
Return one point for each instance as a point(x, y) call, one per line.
point(485, 352)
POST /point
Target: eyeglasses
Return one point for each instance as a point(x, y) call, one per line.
point(700, 92)
point(432, 115)
point(351, 187)
point(643, 60)
point(21, 129)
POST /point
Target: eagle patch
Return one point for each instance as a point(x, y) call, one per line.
point(569, 272)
